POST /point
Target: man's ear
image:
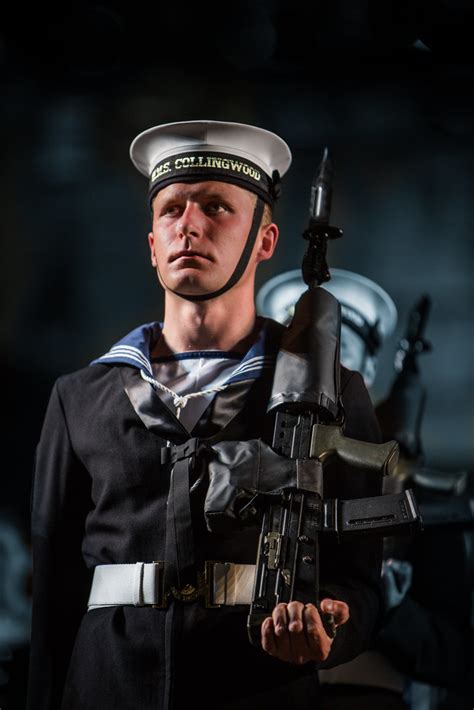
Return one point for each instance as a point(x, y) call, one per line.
point(151, 243)
point(268, 242)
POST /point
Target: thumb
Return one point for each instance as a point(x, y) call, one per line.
point(340, 610)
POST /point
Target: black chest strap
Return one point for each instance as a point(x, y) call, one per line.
point(181, 577)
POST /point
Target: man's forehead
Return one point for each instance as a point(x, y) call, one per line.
point(209, 188)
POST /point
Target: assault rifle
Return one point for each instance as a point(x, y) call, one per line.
point(308, 431)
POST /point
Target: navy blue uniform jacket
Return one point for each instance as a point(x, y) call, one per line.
point(100, 497)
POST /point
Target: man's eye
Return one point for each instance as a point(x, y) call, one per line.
point(170, 210)
point(216, 207)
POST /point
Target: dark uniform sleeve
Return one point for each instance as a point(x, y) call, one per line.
point(427, 646)
point(350, 571)
point(428, 635)
point(61, 582)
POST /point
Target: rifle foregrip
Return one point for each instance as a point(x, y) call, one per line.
point(328, 440)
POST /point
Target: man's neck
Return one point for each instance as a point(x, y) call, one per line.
point(218, 324)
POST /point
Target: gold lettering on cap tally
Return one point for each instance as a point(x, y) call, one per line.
point(213, 162)
point(160, 170)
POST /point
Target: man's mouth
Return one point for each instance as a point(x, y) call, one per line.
point(187, 254)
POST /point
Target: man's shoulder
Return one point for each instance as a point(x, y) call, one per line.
point(88, 373)
point(85, 379)
point(131, 350)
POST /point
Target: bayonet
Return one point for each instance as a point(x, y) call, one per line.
point(319, 230)
point(321, 192)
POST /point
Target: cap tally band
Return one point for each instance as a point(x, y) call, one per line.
point(206, 165)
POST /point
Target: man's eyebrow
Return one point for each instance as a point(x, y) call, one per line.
point(185, 194)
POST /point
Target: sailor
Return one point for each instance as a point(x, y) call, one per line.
point(136, 603)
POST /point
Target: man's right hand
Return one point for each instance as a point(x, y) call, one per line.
point(295, 632)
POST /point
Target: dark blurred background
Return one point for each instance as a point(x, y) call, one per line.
point(386, 84)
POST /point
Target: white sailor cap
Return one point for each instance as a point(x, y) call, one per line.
point(368, 314)
point(193, 151)
point(365, 306)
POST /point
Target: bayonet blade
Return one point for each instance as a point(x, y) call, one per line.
point(321, 191)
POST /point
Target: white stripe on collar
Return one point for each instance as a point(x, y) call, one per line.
point(135, 349)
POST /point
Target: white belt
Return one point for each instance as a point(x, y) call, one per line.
point(141, 584)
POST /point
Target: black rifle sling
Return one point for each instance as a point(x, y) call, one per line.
point(180, 557)
point(180, 565)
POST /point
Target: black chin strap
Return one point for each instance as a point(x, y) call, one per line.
point(241, 264)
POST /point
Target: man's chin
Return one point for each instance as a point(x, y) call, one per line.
point(191, 287)
point(191, 281)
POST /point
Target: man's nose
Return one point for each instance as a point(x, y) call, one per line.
point(190, 222)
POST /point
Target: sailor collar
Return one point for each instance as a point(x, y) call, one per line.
point(135, 350)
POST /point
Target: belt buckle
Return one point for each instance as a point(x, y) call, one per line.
point(188, 593)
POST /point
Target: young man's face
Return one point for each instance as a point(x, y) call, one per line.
point(199, 232)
